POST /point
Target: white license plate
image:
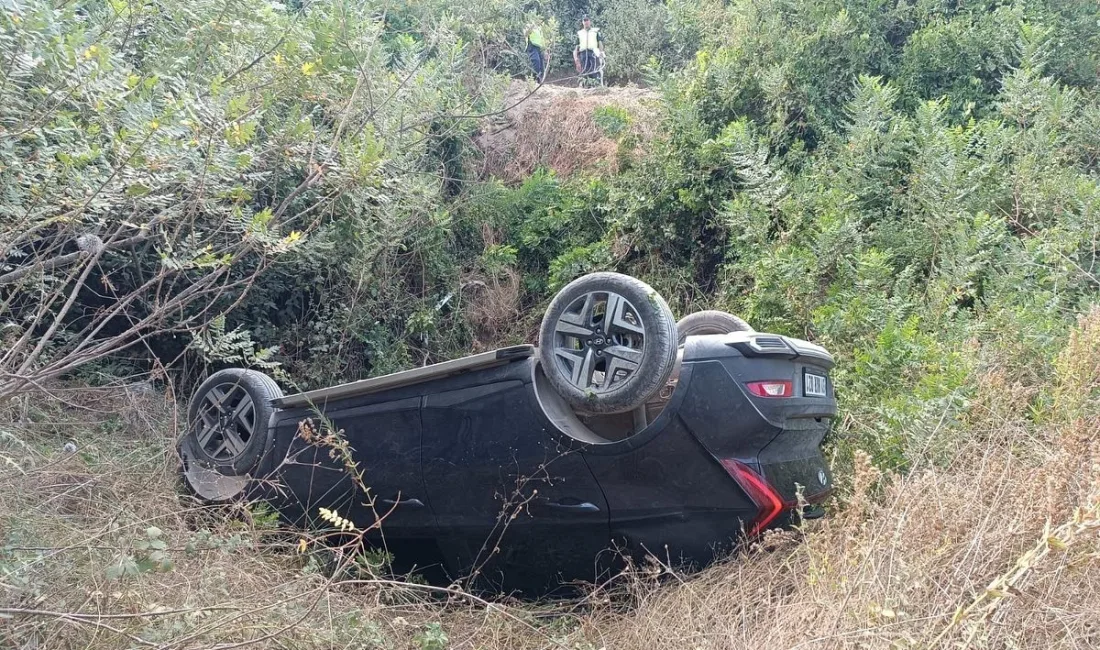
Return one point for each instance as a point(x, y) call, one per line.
point(814, 385)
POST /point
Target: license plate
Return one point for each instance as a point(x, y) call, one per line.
point(814, 385)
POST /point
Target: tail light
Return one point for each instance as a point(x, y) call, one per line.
point(767, 500)
point(771, 388)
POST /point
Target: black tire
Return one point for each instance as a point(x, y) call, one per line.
point(710, 322)
point(227, 430)
point(602, 364)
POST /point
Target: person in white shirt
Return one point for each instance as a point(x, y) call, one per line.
point(588, 54)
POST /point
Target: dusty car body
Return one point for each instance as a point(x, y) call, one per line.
point(478, 466)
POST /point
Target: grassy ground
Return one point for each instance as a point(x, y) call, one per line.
point(997, 547)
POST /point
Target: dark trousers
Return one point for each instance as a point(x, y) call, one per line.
point(538, 60)
point(590, 63)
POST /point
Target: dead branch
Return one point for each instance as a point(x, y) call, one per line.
point(67, 259)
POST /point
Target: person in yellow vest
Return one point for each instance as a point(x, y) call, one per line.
point(536, 50)
point(588, 54)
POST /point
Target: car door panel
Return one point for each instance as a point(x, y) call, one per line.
point(510, 502)
point(384, 443)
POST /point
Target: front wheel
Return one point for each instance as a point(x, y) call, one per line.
point(227, 431)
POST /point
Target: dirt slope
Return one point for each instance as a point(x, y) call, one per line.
point(552, 126)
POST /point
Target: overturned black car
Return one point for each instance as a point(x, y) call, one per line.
point(624, 433)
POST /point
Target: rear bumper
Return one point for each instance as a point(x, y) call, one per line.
point(807, 479)
point(731, 424)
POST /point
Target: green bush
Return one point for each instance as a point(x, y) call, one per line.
point(634, 31)
point(912, 184)
point(614, 121)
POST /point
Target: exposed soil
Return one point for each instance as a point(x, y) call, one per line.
point(552, 126)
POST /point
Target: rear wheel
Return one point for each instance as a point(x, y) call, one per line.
point(710, 322)
point(607, 343)
point(227, 431)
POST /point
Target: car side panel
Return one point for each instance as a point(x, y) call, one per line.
point(670, 498)
point(301, 478)
point(512, 505)
point(383, 441)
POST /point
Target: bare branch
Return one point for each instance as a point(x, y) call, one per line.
point(64, 260)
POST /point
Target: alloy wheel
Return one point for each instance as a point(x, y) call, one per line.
point(226, 421)
point(599, 341)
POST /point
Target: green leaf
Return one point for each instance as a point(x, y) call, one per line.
point(136, 190)
point(261, 219)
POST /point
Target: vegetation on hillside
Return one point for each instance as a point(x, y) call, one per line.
point(913, 184)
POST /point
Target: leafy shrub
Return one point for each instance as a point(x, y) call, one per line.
point(962, 58)
point(634, 31)
point(612, 120)
point(578, 261)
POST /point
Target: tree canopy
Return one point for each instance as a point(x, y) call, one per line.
point(297, 185)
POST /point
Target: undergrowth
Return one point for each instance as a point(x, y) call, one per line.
point(990, 541)
point(914, 186)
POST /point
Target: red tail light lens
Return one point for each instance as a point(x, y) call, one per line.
point(771, 388)
point(763, 495)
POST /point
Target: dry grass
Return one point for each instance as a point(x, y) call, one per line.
point(554, 129)
point(492, 307)
point(491, 301)
point(997, 548)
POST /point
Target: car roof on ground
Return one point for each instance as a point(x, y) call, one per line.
point(321, 396)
